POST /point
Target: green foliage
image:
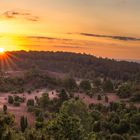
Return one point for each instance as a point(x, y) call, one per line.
point(30, 102)
point(63, 95)
point(65, 126)
point(108, 86)
point(17, 103)
point(114, 106)
point(124, 91)
point(116, 137)
point(38, 125)
point(77, 108)
point(99, 97)
point(69, 84)
point(136, 97)
point(4, 108)
point(106, 99)
point(97, 126)
point(135, 119)
point(81, 65)
point(31, 109)
point(67, 117)
point(23, 123)
point(75, 121)
point(85, 85)
point(97, 82)
point(16, 98)
point(123, 127)
point(44, 100)
point(10, 100)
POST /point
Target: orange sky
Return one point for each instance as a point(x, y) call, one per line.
point(111, 28)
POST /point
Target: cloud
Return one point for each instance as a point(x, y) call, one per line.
point(13, 14)
point(68, 47)
point(41, 37)
point(123, 38)
point(47, 38)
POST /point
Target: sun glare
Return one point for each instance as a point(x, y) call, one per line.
point(2, 50)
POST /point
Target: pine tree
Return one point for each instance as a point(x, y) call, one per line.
point(23, 123)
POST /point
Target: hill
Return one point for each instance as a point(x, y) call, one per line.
point(78, 65)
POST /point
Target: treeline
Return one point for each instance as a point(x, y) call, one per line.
point(78, 65)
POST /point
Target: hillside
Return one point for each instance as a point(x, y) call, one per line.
point(78, 65)
point(42, 97)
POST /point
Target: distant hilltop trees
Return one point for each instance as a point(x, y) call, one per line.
point(78, 65)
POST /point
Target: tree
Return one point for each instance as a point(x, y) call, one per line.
point(99, 97)
point(124, 91)
point(70, 84)
point(10, 100)
point(136, 97)
point(116, 137)
point(79, 109)
point(135, 119)
point(85, 85)
point(114, 106)
point(97, 126)
point(4, 108)
point(17, 98)
point(16, 103)
point(108, 86)
point(106, 99)
point(65, 127)
point(63, 95)
point(7, 135)
point(30, 102)
point(123, 127)
point(44, 100)
point(23, 123)
point(97, 83)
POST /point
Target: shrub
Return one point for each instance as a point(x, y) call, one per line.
point(30, 102)
point(4, 108)
point(20, 90)
point(23, 123)
point(116, 137)
point(10, 100)
point(70, 84)
point(99, 97)
point(108, 86)
point(106, 99)
point(124, 91)
point(16, 103)
point(30, 109)
point(85, 85)
point(136, 97)
point(29, 91)
point(16, 98)
point(38, 124)
point(37, 111)
point(135, 138)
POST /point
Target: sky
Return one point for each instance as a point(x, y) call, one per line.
point(104, 28)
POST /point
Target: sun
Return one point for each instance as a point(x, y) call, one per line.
point(2, 50)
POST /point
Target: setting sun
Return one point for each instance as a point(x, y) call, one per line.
point(2, 50)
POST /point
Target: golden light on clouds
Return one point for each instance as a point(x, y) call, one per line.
point(110, 27)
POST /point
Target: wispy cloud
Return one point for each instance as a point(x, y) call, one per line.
point(123, 38)
point(14, 14)
point(47, 38)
